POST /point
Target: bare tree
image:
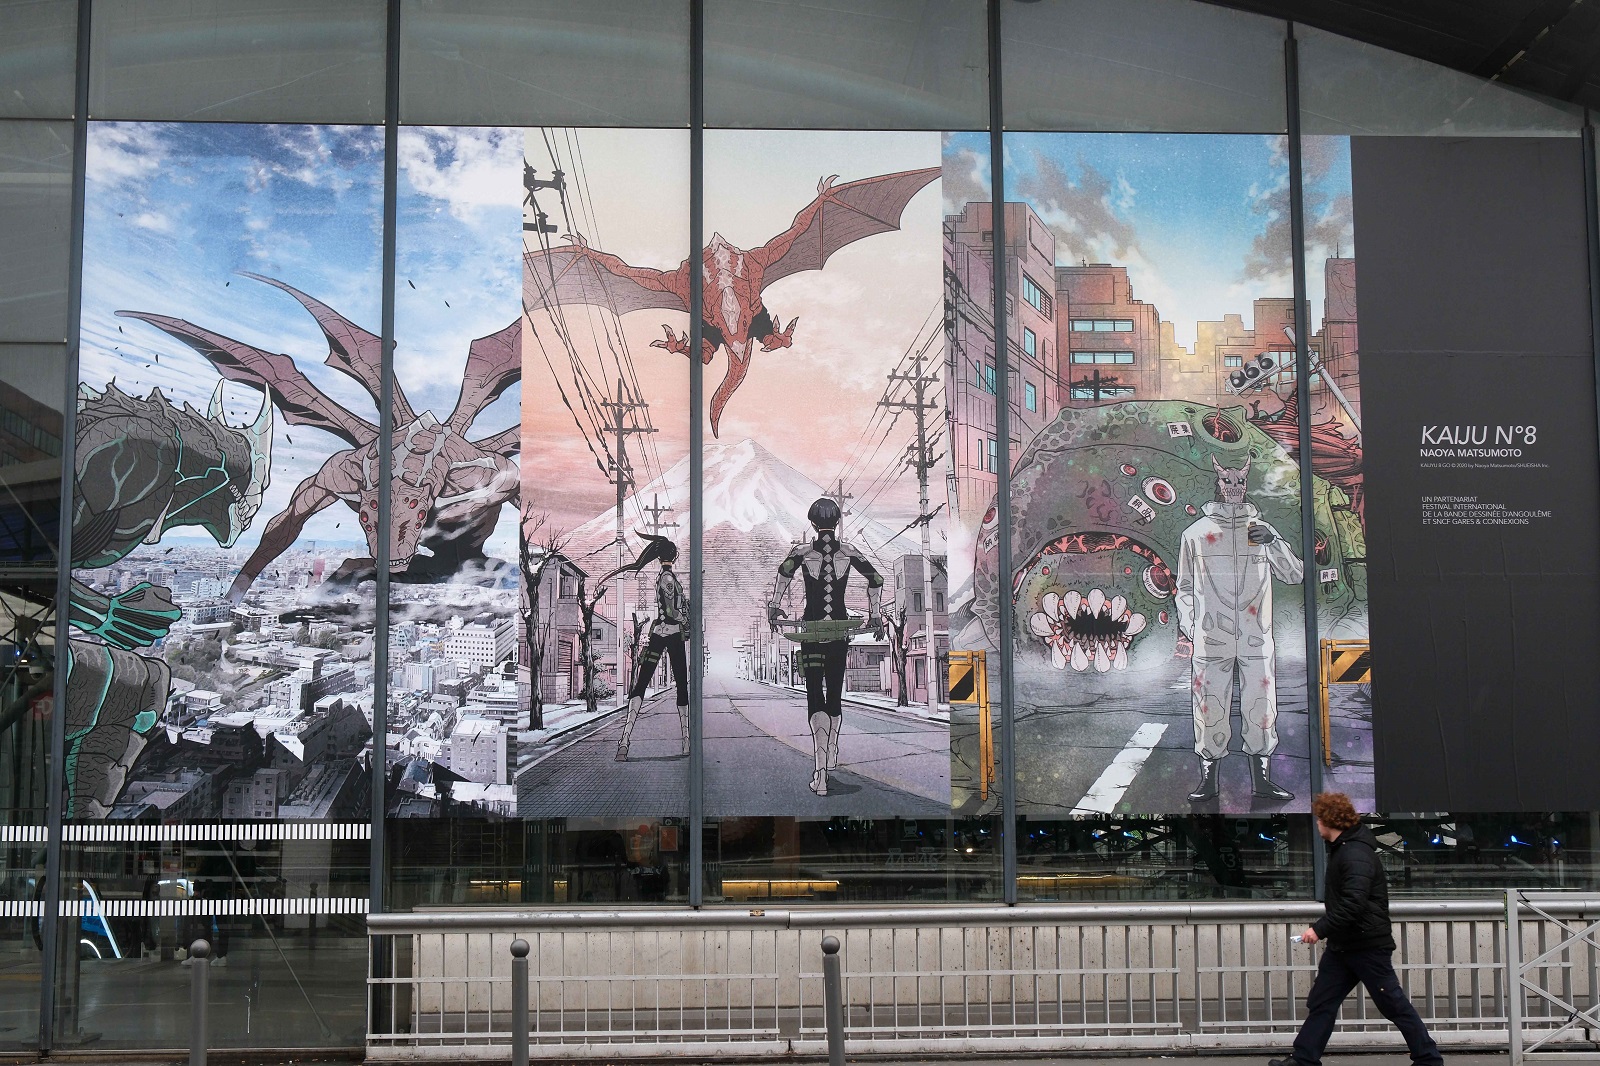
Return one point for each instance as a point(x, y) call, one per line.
point(586, 652)
point(540, 545)
point(899, 651)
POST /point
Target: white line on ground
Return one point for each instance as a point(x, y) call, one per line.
point(1106, 792)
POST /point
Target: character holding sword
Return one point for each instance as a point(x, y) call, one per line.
point(823, 630)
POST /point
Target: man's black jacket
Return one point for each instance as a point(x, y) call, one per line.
point(1356, 894)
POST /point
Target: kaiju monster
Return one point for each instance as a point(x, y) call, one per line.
point(446, 489)
point(733, 315)
point(143, 467)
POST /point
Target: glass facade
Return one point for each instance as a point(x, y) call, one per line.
point(746, 463)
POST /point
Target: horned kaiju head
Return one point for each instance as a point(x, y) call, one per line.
point(420, 469)
point(220, 471)
point(1231, 482)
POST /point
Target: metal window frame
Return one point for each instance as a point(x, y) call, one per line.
point(999, 446)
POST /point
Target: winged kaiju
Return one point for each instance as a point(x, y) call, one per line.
point(446, 488)
point(732, 315)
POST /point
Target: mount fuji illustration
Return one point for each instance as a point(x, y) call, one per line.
point(755, 511)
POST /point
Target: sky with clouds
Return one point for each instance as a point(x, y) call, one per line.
point(1200, 220)
point(177, 212)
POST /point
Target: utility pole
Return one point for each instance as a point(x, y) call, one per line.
point(658, 527)
point(624, 423)
point(839, 496)
point(921, 383)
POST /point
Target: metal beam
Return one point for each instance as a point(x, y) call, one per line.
point(1002, 488)
point(697, 463)
point(61, 651)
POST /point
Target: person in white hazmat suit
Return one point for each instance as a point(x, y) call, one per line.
point(1225, 569)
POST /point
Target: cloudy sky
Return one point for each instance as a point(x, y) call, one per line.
point(177, 211)
point(807, 404)
point(1200, 220)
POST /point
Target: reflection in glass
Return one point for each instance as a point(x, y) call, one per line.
point(513, 62)
point(37, 58)
point(32, 388)
point(35, 210)
point(550, 862)
point(1184, 857)
point(282, 910)
point(862, 64)
point(1349, 87)
point(211, 60)
point(1116, 65)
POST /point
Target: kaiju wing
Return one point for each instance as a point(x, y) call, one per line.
point(840, 215)
point(578, 274)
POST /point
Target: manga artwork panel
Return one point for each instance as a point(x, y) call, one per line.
point(826, 540)
point(603, 621)
point(455, 710)
point(222, 534)
point(1156, 521)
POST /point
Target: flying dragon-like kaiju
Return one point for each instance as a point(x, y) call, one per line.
point(732, 315)
point(447, 490)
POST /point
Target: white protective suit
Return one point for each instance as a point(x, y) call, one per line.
point(1225, 608)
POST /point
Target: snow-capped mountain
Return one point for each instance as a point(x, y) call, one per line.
point(755, 510)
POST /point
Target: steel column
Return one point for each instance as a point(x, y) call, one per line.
point(61, 651)
point(697, 465)
point(1302, 371)
point(1002, 432)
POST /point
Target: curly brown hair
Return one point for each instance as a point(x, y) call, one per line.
point(1334, 810)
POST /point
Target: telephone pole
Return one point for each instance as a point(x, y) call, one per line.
point(622, 421)
point(921, 460)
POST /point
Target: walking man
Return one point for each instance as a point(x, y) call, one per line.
point(1359, 940)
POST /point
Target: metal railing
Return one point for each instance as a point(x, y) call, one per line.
point(942, 979)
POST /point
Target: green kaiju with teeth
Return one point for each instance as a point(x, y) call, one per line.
point(1100, 500)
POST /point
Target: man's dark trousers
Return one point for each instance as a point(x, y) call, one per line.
point(1338, 974)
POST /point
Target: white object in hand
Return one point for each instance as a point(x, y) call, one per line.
point(1298, 939)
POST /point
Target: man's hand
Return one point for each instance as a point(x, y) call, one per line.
point(875, 623)
point(1260, 534)
point(1309, 936)
point(774, 613)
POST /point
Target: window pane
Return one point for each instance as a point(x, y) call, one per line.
point(35, 229)
point(1356, 88)
point(847, 64)
point(32, 389)
point(38, 54)
point(1170, 65)
point(516, 62)
point(278, 61)
point(243, 703)
point(605, 422)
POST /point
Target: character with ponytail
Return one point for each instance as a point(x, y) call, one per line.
point(666, 635)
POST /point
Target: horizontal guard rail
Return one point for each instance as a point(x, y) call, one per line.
point(484, 920)
point(963, 979)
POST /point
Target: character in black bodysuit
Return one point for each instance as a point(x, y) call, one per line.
point(666, 634)
point(826, 563)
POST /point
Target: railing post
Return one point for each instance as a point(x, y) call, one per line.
point(833, 1000)
point(519, 1002)
point(200, 953)
point(1513, 978)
